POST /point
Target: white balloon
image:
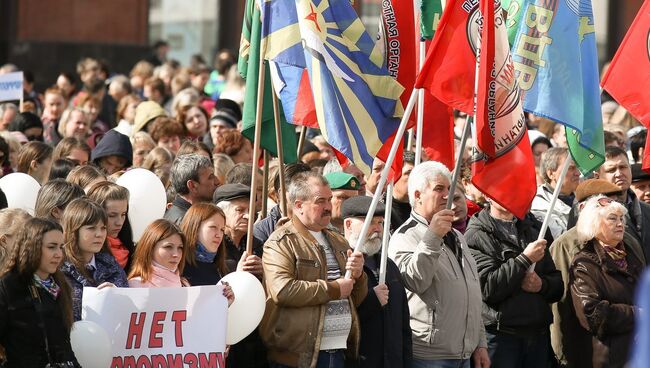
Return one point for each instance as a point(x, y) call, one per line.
point(91, 345)
point(21, 191)
point(147, 199)
point(247, 310)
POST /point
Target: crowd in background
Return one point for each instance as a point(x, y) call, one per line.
point(457, 291)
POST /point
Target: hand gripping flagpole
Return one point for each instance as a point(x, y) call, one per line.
point(556, 194)
point(386, 235)
point(384, 174)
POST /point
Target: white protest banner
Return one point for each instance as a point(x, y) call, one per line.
point(161, 327)
point(11, 86)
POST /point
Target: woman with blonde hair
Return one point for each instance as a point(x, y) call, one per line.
point(126, 113)
point(142, 144)
point(11, 222)
point(602, 281)
point(35, 300)
point(222, 164)
point(54, 196)
point(74, 149)
point(159, 161)
point(85, 176)
point(88, 259)
point(35, 159)
point(114, 199)
point(75, 122)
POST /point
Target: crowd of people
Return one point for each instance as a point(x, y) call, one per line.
point(470, 286)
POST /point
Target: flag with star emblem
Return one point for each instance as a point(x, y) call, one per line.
point(356, 100)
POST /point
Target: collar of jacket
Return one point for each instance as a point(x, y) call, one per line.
point(419, 218)
point(181, 202)
point(634, 208)
point(608, 264)
point(303, 231)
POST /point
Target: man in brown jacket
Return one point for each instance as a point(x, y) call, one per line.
point(310, 318)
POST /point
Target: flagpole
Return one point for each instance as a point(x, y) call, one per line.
point(301, 139)
point(459, 161)
point(278, 139)
point(265, 185)
point(256, 148)
point(386, 236)
point(556, 194)
point(384, 174)
point(420, 116)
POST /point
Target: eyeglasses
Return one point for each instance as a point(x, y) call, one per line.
point(604, 201)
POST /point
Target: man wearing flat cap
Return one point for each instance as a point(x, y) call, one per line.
point(565, 329)
point(233, 199)
point(384, 314)
point(640, 183)
point(343, 186)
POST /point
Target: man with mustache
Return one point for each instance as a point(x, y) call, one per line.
point(384, 314)
point(616, 169)
point(310, 318)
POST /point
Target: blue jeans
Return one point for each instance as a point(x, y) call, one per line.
point(443, 363)
point(335, 359)
point(511, 351)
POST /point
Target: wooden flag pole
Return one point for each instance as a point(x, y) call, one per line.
point(386, 236)
point(385, 172)
point(420, 116)
point(265, 185)
point(556, 194)
point(256, 148)
point(301, 139)
point(278, 139)
point(459, 161)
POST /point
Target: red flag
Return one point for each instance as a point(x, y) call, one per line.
point(438, 132)
point(503, 162)
point(398, 38)
point(628, 76)
point(448, 71)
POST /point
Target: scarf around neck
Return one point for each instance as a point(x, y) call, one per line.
point(617, 254)
point(203, 254)
point(48, 285)
point(164, 277)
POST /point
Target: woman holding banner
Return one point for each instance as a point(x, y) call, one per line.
point(35, 300)
point(160, 256)
point(88, 259)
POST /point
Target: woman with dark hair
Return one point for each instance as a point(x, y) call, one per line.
point(29, 124)
point(35, 159)
point(205, 259)
point(35, 300)
point(73, 149)
point(602, 280)
point(115, 201)
point(194, 120)
point(5, 163)
point(88, 259)
point(160, 258)
point(53, 197)
point(61, 168)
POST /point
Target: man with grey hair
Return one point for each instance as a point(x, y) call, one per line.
point(310, 318)
point(193, 180)
point(551, 169)
point(440, 276)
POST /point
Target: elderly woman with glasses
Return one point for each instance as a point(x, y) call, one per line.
point(603, 276)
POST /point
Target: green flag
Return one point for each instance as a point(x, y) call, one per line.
point(515, 13)
point(430, 13)
point(248, 65)
point(587, 160)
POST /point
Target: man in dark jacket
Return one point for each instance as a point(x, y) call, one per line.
point(384, 314)
point(193, 180)
point(517, 310)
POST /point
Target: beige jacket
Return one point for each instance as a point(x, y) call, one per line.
point(295, 273)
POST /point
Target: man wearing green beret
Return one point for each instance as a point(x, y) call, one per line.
point(343, 186)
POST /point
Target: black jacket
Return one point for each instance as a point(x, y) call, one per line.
point(266, 226)
point(386, 339)
point(638, 223)
point(502, 266)
point(177, 211)
point(20, 327)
